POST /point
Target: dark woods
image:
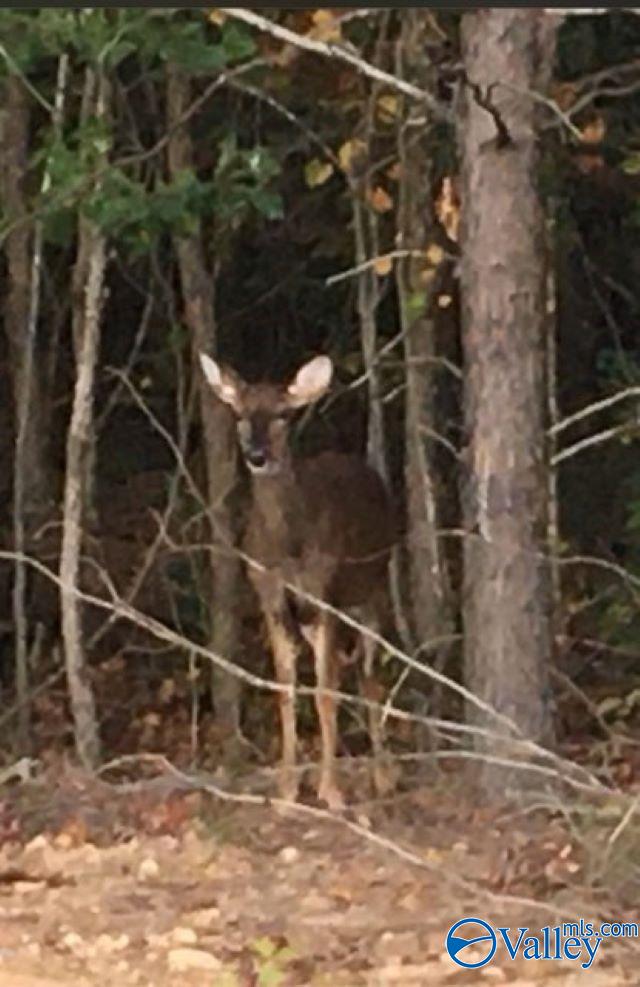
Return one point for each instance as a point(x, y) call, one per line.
point(447, 207)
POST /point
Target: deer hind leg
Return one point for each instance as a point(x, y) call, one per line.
point(327, 667)
point(373, 692)
point(285, 655)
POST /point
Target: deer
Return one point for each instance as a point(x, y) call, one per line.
point(322, 525)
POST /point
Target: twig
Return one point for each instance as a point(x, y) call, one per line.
point(592, 409)
point(565, 771)
point(591, 440)
point(17, 71)
point(352, 272)
point(339, 52)
point(502, 719)
point(365, 833)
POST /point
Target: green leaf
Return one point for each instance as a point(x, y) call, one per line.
point(237, 42)
point(264, 947)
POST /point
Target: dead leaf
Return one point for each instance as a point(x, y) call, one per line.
point(394, 172)
point(564, 95)
point(387, 108)
point(317, 172)
point(326, 26)
point(444, 301)
point(351, 153)
point(433, 855)
point(589, 163)
point(434, 254)
point(447, 208)
point(217, 16)
point(379, 200)
point(382, 265)
point(594, 131)
point(72, 834)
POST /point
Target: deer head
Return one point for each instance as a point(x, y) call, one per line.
point(263, 411)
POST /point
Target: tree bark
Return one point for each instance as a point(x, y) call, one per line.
point(507, 54)
point(418, 282)
point(15, 139)
point(87, 280)
point(219, 429)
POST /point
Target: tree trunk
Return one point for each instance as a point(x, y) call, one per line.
point(507, 54)
point(15, 136)
point(218, 425)
point(418, 282)
point(87, 280)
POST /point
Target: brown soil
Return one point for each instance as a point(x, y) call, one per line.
point(171, 889)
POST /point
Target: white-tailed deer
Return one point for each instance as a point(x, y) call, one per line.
point(325, 526)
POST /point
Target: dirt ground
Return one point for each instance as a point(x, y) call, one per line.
point(159, 886)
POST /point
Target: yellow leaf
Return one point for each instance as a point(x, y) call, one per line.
point(379, 200)
point(350, 153)
point(593, 132)
point(447, 207)
point(382, 265)
point(434, 254)
point(317, 172)
point(326, 26)
point(217, 16)
point(444, 301)
point(387, 107)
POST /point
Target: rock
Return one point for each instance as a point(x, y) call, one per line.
point(184, 936)
point(148, 869)
point(184, 959)
point(289, 854)
point(112, 944)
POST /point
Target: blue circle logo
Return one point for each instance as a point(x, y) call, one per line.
point(471, 932)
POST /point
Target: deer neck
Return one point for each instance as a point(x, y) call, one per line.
point(275, 496)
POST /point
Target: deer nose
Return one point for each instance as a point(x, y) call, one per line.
point(256, 458)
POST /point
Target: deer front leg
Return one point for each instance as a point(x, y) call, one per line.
point(285, 654)
point(322, 639)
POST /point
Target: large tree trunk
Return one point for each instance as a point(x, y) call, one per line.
point(219, 429)
point(507, 55)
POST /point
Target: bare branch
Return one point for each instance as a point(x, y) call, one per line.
point(338, 52)
point(591, 440)
point(592, 409)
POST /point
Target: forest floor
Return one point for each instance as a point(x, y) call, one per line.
point(154, 884)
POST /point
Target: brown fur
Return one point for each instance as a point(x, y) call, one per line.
point(323, 525)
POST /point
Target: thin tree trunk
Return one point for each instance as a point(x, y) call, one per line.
point(507, 54)
point(418, 280)
point(79, 280)
point(21, 319)
point(219, 429)
point(90, 268)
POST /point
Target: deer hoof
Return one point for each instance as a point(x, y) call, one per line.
point(330, 794)
point(288, 786)
point(384, 777)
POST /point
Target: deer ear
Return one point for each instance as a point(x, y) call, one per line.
point(310, 383)
point(224, 383)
